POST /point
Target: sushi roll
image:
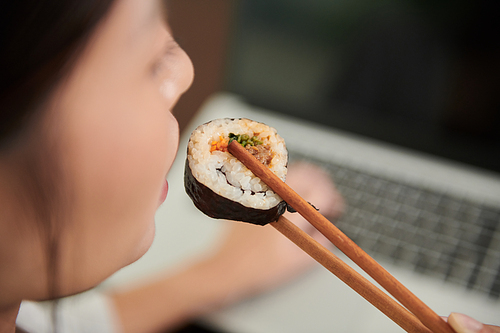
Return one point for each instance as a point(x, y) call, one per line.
point(220, 185)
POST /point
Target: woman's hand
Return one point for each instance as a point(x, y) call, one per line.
point(255, 258)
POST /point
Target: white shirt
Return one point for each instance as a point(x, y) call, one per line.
point(89, 312)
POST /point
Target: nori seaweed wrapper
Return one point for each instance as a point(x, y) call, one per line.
point(218, 207)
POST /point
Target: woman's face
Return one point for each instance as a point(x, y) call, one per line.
point(118, 140)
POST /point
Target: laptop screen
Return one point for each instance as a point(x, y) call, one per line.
point(421, 74)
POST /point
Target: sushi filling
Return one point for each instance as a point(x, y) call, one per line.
point(254, 145)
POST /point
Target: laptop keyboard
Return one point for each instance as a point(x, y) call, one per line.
point(431, 232)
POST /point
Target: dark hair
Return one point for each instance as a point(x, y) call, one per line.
point(40, 40)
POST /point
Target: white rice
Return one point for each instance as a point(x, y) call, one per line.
point(226, 175)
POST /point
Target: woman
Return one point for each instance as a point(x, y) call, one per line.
point(87, 140)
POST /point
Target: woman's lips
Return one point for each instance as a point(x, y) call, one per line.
point(163, 194)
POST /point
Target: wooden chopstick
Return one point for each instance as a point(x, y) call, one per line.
point(425, 314)
point(349, 276)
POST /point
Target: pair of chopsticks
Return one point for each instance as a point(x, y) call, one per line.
point(412, 314)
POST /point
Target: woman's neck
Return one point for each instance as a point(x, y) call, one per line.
point(8, 318)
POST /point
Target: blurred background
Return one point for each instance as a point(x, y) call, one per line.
point(424, 74)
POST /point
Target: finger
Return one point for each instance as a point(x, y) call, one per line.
point(464, 324)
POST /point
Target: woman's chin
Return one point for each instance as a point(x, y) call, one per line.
point(145, 244)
